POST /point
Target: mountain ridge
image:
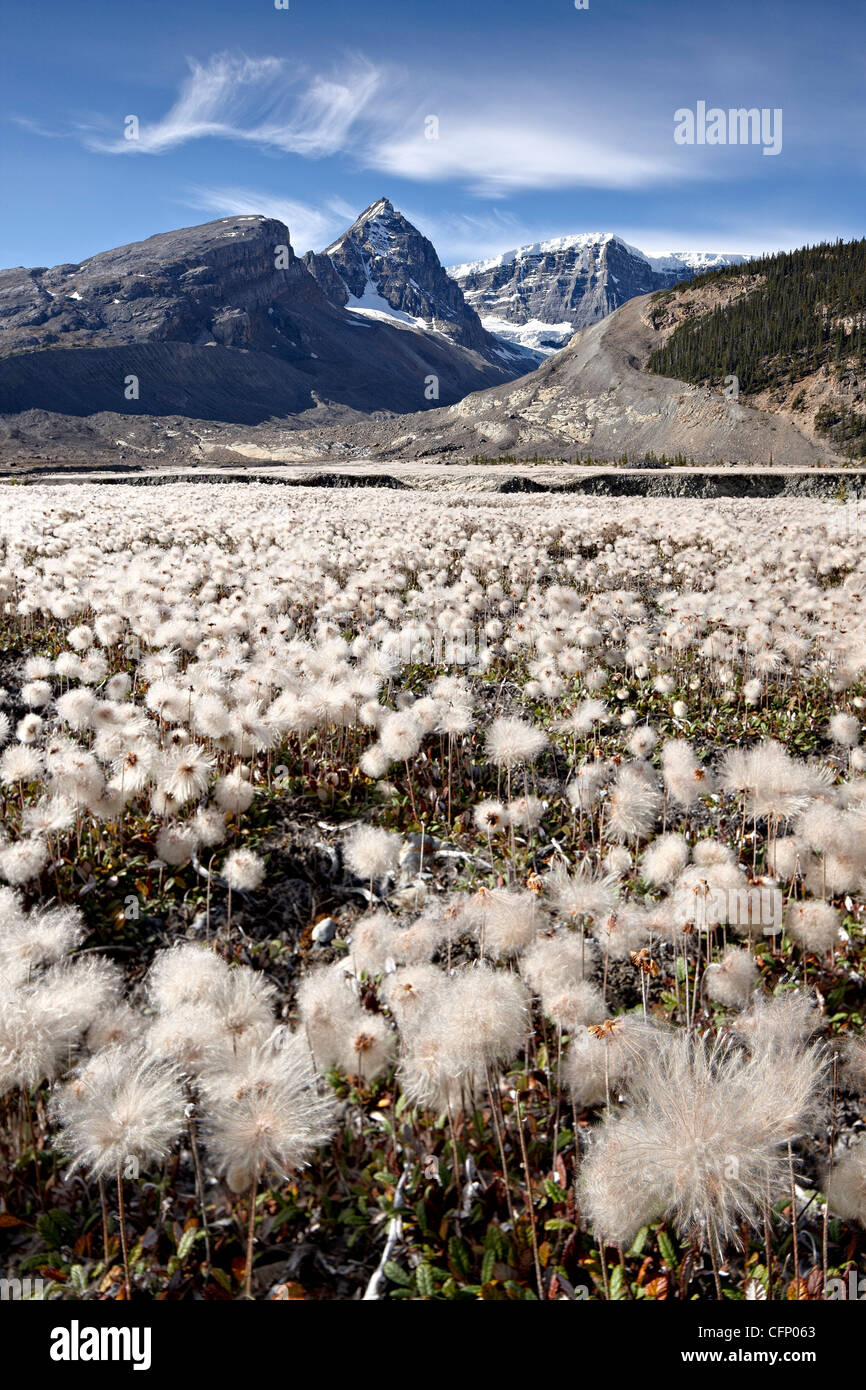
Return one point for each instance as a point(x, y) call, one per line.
point(243, 356)
point(538, 295)
point(228, 287)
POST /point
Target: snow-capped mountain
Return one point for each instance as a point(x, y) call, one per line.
point(537, 296)
point(383, 267)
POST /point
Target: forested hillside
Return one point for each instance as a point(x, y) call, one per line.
point(799, 312)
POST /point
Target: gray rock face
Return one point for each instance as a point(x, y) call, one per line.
point(383, 264)
point(214, 285)
point(540, 295)
point(221, 321)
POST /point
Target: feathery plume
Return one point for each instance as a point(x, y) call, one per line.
point(266, 1114)
point(699, 1143)
point(123, 1105)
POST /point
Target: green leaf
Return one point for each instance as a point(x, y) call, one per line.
point(187, 1241)
point(397, 1275)
point(280, 1219)
point(458, 1253)
point(54, 1226)
point(639, 1241)
point(667, 1250)
point(424, 1280)
point(496, 1240)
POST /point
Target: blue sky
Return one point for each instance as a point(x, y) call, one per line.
point(551, 120)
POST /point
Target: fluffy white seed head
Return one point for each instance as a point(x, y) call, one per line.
point(846, 1185)
point(185, 974)
point(813, 925)
point(844, 729)
point(508, 921)
point(732, 980)
point(266, 1114)
point(700, 1141)
point(664, 860)
point(371, 853)
point(243, 870)
point(123, 1105)
point(511, 741)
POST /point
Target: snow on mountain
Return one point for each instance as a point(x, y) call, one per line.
point(535, 336)
point(696, 261)
point(556, 245)
point(538, 295)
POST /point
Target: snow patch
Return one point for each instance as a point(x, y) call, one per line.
point(371, 304)
point(584, 241)
point(695, 260)
point(535, 336)
point(595, 242)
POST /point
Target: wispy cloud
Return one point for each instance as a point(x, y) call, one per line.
point(502, 153)
point(376, 115)
point(254, 99)
point(36, 128)
point(309, 227)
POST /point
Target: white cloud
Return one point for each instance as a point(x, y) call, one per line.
point(496, 156)
point(253, 99)
point(35, 128)
point(310, 227)
point(376, 115)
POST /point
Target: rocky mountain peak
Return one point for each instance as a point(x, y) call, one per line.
point(383, 265)
point(221, 283)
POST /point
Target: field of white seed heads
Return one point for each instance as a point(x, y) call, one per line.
point(495, 862)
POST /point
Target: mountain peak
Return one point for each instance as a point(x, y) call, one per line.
point(382, 266)
point(215, 326)
point(381, 208)
point(376, 209)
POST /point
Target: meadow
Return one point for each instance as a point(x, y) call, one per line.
point(431, 897)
